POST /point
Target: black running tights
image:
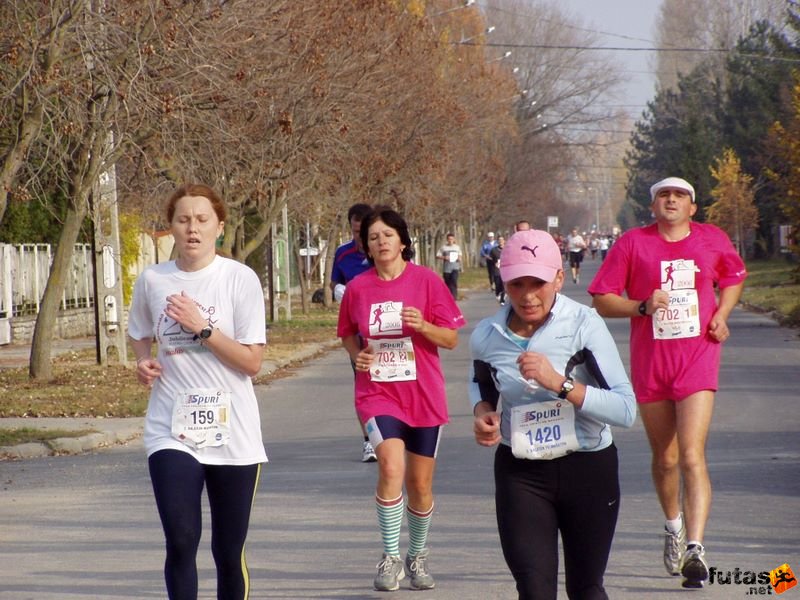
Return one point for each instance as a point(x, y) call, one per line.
point(576, 495)
point(178, 481)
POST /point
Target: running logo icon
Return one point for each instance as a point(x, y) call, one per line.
point(782, 578)
point(385, 319)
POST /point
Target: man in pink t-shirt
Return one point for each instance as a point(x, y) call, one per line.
point(668, 272)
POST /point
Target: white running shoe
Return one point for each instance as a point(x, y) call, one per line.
point(694, 568)
point(368, 453)
point(674, 547)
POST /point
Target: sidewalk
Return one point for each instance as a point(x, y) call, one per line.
point(99, 432)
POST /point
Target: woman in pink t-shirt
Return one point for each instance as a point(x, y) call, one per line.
point(392, 321)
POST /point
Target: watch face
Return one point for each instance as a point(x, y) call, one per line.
point(205, 333)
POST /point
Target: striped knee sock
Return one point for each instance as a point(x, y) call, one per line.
point(418, 525)
point(390, 519)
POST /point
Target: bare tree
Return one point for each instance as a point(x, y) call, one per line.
point(103, 106)
point(564, 82)
point(309, 106)
point(32, 43)
point(358, 101)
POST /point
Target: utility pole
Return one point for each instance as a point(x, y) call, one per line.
point(110, 339)
point(279, 271)
point(108, 307)
point(596, 209)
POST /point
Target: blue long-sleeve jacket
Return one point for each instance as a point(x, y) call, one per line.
point(577, 342)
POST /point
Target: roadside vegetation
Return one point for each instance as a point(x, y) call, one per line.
point(81, 388)
point(25, 435)
point(773, 286)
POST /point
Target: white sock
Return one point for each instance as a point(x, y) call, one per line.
point(674, 525)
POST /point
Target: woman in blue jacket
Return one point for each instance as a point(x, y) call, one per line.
point(562, 382)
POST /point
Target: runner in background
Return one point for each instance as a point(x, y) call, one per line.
point(450, 255)
point(486, 248)
point(349, 261)
point(576, 247)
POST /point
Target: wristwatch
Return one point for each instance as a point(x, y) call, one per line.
point(205, 332)
point(566, 387)
point(643, 308)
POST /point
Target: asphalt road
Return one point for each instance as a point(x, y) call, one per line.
point(85, 526)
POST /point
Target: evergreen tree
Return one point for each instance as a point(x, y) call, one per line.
point(760, 85)
point(785, 139)
point(37, 220)
point(679, 136)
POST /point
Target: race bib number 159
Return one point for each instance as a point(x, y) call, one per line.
point(201, 417)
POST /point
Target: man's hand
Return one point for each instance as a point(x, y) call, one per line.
point(718, 328)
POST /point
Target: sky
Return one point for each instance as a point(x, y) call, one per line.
point(623, 24)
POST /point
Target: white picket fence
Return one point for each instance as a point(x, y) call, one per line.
point(24, 269)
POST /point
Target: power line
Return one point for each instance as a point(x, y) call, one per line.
point(609, 48)
point(600, 167)
point(560, 23)
point(593, 129)
point(637, 49)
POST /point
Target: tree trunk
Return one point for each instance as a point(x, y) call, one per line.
point(303, 279)
point(330, 252)
point(41, 365)
point(27, 130)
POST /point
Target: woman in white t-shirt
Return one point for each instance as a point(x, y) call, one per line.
point(205, 314)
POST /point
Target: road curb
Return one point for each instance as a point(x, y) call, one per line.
point(304, 352)
point(121, 432)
